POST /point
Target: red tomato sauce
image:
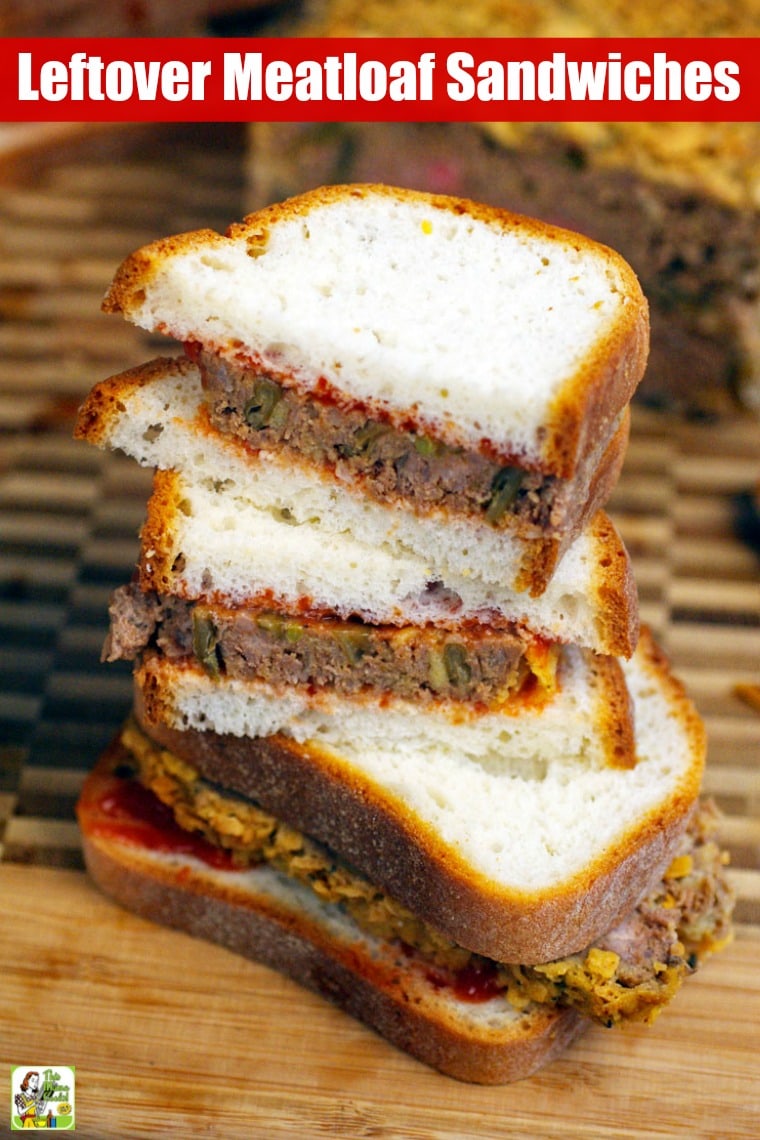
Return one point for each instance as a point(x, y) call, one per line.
point(125, 810)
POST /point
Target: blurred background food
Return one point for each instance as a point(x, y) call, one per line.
point(126, 17)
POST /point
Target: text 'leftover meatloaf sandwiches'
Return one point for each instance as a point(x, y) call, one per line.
point(395, 731)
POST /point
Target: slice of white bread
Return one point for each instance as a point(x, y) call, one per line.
point(521, 854)
point(589, 715)
point(476, 326)
point(266, 916)
point(241, 528)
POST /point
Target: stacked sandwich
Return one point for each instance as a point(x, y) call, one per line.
point(395, 732)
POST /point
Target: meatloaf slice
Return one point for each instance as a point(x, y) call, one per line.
point(473, 664)
point(392, 464)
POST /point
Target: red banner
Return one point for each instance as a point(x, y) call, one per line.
point(364, 80)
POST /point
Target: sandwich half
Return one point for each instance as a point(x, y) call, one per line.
point(520, 837)
point(178, 848)
point(138, 856)
point(241, 528)
point(428, 351)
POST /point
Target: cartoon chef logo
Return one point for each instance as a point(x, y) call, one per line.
point(42, 1096)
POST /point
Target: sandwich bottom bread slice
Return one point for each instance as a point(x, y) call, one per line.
point(181, 850)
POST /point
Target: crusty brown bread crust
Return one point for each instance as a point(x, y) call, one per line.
point(582, 412)
point(616, 593)
point(311, 790)
point(543, 554)
point(105, 401)
point(606, 475)
point(381, 989)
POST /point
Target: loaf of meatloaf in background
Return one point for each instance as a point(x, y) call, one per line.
point(680, 201)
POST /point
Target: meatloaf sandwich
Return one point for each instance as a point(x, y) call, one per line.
point(394, 729)
point(403, 343)
point(478, 911)
point(237, 528)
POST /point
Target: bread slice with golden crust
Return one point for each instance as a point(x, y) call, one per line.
point(262, 914)
point(516, 856)
point(202, 541)
point(478, 327)
point(241, 528)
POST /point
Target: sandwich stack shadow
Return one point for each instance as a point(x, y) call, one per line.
point(396, 732)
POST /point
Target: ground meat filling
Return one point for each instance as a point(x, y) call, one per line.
point(391, 463)
point(629, 975)
point(473, 665)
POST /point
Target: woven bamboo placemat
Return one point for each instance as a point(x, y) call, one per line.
point(69, 515)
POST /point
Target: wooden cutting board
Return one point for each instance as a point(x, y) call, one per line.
point(169, 1034)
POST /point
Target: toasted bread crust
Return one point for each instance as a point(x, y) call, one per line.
point(105, 402)
point(617, 597)
point(588, 402)
point(618, 729)
point(125, 292)
point(605, 382)
point(157, 549)
point(313, 791)
point(379, 990)
point(543, 554)
point(607, 473)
